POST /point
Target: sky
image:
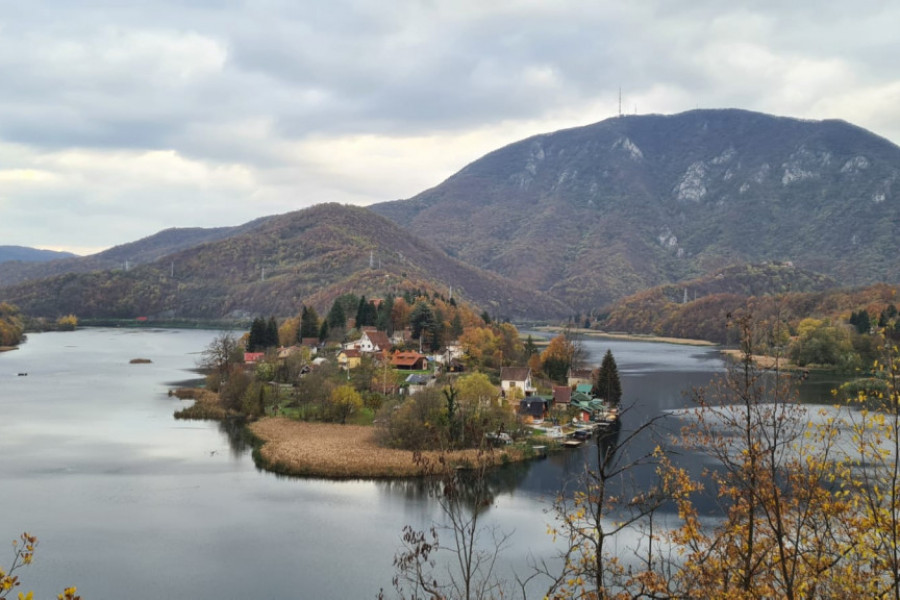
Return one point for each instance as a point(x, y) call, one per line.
point(121, 119)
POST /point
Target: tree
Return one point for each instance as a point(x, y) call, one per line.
point(469, 573)
point(530, 348)
point(257, 340)
point(23, 555)
point(874, 485)
point(784, 532)
point(344, 401)
point(337, 318)
point(221, 352)
point(425, 326)
point(557, 358)
point(606, 380)
point(309, 323)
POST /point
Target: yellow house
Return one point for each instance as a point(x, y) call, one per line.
point(348, 359)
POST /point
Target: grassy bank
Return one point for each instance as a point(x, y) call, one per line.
point(8, 348)
point(346, 451)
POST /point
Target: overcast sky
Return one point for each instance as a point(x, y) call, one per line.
point(119, 119)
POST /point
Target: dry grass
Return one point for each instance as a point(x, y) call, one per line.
point(206, 405)
point(344, 451)
point(762, 361)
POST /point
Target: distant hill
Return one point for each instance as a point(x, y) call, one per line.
point(30, 255)
point(143, 251)
point(700, 308)
point(596, 213)
point(270, 267)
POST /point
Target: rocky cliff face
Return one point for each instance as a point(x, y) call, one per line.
point(598, 212)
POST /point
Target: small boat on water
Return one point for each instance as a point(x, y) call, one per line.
point(23, 374)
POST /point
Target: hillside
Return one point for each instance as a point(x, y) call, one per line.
point(701, 308)
point(271, 267)
point(30, 255)
point(143, 251)
point(596, 213)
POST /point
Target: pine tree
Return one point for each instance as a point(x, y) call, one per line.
point(271, 333)
point(309, 323)
point(257, 339)
point(337, 318)
point(607, 384)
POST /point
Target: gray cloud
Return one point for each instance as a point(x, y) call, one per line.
point(218, 112)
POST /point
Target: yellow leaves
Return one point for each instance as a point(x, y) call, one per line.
point(28, 596)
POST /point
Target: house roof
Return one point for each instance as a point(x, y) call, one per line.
point(562, 394)
point(252, 357)
point(514, 373)
point(417, 379)
point(534, 406)
point(580, 373)
point(584, 388)
point(351, 353)
point(378, 338)
point(309, 342)
point(406, 359)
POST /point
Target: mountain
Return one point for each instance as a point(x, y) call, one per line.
point(30, 255)
point(273, 265)
point(596, 213)
point(145, 250)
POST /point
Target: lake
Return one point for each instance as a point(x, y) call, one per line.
point(127, 502)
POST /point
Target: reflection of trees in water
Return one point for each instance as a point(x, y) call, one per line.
point(470, 484)
point(235, 430)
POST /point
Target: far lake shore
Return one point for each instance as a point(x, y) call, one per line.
point(630, 337)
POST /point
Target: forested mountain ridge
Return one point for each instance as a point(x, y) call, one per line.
point(142, 251)
point(702, 308)
point(596, 213)
point(275, 264)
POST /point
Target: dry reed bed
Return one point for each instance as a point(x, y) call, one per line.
point(345, 451)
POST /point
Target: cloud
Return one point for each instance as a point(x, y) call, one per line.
point(123, 119)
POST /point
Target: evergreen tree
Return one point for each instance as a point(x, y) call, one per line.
point(309, 323)
point(456, 326)
point(257, 339)
point(530, 348)
point(323, 330)
point(383, 318)
point(337, 318)
point(271, 340)
point(607, 384)
point(365, 313)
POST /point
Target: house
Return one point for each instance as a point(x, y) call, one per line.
point(401, 337)
point(312, 343)
point(250, 358)
point(534, 407)
point(373, 341)
point(584, 388)
point(417, 382)
point(562, 395)
point(286, 352)
point(409, 361)
point(578, 376)
point(516, 377)
point(349, 359)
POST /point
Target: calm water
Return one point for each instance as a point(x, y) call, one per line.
point(129, 503)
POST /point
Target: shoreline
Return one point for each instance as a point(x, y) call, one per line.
point(8, 348)
point(630, 337)
point(285, 446)
point(334, 451)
